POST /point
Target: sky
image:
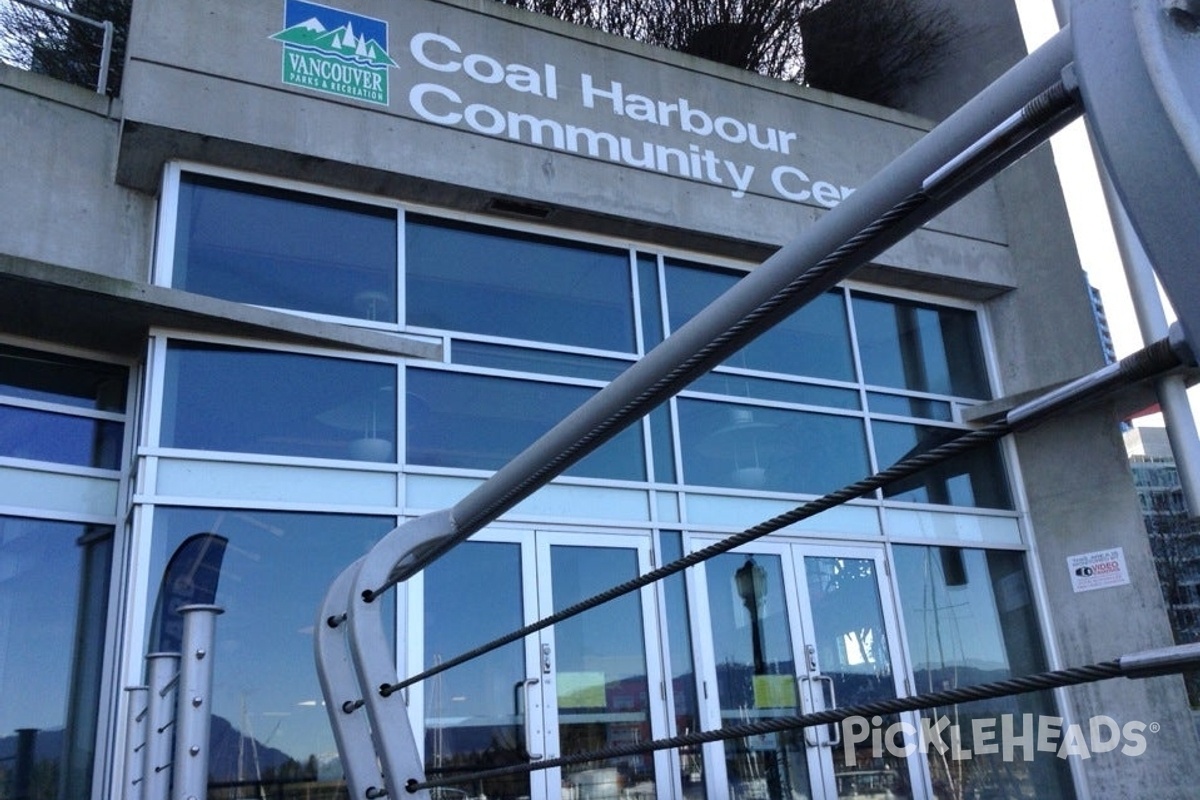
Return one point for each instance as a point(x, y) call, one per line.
point(1089, 215)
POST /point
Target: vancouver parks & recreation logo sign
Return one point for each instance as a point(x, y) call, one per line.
point(334, 51)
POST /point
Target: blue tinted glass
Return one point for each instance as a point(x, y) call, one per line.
point(480, 422)
point(920, 347)
point(35, 375)
point(748, 447)
point(257, 401)
point(781, 391)
point(270, 247)
point(481, 280)
point(473, 715)
point(970, 619)
point(54, 596)
point(527, 359)
point(60, 438)
point(651, 301)
point(268, 718)
point(663, 444)
point(975, 478)
point(814, 341)
point(903, 406)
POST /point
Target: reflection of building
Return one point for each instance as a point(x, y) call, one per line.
point(291, 294)
point(1102, 328)
point(1173, 529)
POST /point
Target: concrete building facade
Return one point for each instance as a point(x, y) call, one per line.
point(322, 268)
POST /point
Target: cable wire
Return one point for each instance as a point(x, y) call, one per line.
point(1023, 685)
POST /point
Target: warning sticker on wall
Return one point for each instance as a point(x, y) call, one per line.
point(1100, 570)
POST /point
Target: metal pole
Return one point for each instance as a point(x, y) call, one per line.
point(1151, 318)
point(105, 58)
point(136, 739)
point(193, 714)
point(163, 680)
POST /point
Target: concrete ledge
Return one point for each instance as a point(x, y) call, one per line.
point(59, 91)
point(83, 309)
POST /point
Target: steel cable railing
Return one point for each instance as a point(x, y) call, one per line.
point(1150, 362)
point(995, 129)
point(1167, 661)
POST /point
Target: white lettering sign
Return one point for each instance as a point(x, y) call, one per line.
point(706, 159)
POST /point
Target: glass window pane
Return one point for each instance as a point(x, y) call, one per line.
point(469, 278)
point(969, 618)
point(270, 734)
point(853, 652)
point(975, 478)
point(474, 713)
point(814, 341)
point(60, 438)
point(480, 422)
point(49, 377)
point(920, 347)
point(651, 301)
point(271, 247)
point(256, 401)
point(52, 650)
point(600, 665)
point(749, 447)
point(756, 674)
point(662, 444)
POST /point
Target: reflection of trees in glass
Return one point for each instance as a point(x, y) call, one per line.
point(64, 48)
point(1175, 543)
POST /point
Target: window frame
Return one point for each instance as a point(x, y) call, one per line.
point(644, 261)
point(162, 270)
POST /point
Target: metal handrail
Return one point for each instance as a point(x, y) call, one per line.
point(105, 26)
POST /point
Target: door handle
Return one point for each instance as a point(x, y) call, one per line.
point(836, 738)
point(811, 737)
point(530, 732)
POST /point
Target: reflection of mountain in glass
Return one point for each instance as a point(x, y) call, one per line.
point(342, 42)
point(237, 764)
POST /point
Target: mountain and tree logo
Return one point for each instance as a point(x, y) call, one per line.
point(335, 51)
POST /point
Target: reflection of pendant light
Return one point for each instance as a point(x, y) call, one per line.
point(372, 305)
point(747, 445)
point(372, 416)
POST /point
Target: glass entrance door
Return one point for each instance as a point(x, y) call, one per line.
point(794, 629)
point(590, 682)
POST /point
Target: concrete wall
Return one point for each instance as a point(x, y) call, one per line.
point(60, 203)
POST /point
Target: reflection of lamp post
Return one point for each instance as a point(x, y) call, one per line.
point(752, 588)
